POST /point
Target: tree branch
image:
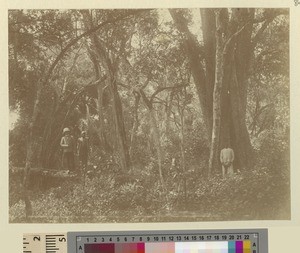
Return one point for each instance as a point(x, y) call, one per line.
point(78, 93)
point(145, 99)
point(162, 89)
point(269, 19)
point(182, 27)
point(260, 32)
point(74, 41)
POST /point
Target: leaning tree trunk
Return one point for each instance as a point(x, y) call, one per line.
point(195, 57)
point(118, 119)
point(100, 109)
point(95, 56)
point(119, 126)
point(31, 149)
point(117, 109)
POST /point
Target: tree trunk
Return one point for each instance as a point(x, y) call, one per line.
point(93, 53)
point(154, 134)
point(31, 149)
point(195, 56)
point(100, 110)
point(219, 74)
point(156, 138)
point(168, 110)
point(240, 136)
point(234, 96)
point(208, 20)
point(116, 100)
point(182, 150)
point(135, 124)
point(120, 127)
point(224, 97)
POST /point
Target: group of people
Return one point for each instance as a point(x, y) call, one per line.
point(70, 148)
point(82, 149)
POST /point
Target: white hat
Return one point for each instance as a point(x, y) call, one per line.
point(66, 130)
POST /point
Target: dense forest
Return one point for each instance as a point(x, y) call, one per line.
point(159, 93)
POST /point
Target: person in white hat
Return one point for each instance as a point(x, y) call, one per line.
point(68, 146)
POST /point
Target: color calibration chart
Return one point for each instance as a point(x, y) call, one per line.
point(194, 241)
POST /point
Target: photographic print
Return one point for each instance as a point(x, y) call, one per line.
point(149, 115)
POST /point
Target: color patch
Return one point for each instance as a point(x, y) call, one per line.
point(247, 246)
point(239, 247)
point(99, 248)
point(164, 247)
point(190, 247)
point(231, 247)
point(129, 248)
point(201, 247)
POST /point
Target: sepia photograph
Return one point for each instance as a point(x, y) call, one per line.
point(149, 115)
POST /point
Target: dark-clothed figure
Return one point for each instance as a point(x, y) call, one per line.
point(68, 146)
point(227, 158)
point(83, 149)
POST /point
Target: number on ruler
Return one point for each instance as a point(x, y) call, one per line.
point(37, 238)
point(62, 239)
point(45, 243)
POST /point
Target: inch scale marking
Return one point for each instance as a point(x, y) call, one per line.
point(45, 243)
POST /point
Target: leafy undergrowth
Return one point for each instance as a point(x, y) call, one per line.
point(138, 197)
point(255, 195)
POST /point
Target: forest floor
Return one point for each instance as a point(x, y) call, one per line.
point(58, 197)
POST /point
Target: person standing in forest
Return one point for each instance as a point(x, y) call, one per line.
point(227, 158)
point(83, 150)
point(68, 146)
